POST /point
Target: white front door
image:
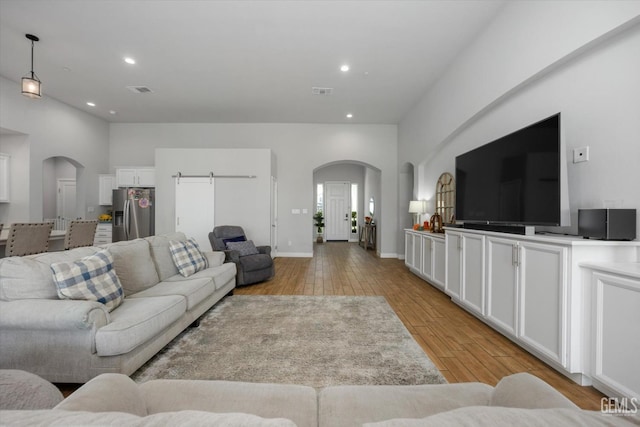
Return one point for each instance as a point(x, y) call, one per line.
point(337, 210)
point(66, 201)
point(195, 209)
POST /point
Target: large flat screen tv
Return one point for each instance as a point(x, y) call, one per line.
point(514, 180)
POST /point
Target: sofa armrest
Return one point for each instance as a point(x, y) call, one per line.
point(107, 393)
point(215, 258)
point(527, 391)
point(47, 314)
point(264, 250)
point(232, 256)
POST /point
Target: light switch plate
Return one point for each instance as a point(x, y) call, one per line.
point(580, 154)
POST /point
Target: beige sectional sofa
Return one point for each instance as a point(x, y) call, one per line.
point(72, 341)
point(517, 400)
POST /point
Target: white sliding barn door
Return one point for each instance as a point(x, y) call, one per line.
point(338, 210)
point(195, 209)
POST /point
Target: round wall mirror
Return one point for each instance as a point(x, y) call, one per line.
point(446, 198)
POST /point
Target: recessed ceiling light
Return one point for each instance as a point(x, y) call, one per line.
point(112, 112)
point(349, 116)
point(91, 104)
point(344, 68)
point(130, 61)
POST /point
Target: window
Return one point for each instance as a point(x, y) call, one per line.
point(319, 198)
point(354, 208)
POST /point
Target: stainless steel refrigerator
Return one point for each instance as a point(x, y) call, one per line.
point(133, 213)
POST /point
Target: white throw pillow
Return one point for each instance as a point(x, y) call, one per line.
point(92, 278)
point(187, 257)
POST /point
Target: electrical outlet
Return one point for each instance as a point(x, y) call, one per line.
point(580, 154)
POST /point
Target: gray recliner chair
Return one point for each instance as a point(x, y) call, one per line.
point(252, 268)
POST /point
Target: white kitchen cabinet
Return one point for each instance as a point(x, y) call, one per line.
point(526, 293)
point(413, 251)
point(106, 185)
point(453, 277)
point(534, 289)
point(465, 270)
point(5, 175)
point(439, 261)
point(472, 285)
point(502, 284)
point(542, 297)
point(103, 234)
point(615, 347)
point(136, 177)
point(425, 256)
point(409, 257)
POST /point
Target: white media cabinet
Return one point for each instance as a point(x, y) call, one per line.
point(536, 290)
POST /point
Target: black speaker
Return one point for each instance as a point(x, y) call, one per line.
point(607, 224)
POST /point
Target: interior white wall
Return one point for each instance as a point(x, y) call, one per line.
point(581, 62)
point(238, 201)
point(373, 189)
point(17, 146)
point(298, 149)
point(52, 129)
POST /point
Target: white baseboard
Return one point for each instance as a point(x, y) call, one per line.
point(388, 255)
point(295, 255)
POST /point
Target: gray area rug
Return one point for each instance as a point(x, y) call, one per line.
point(311, 340)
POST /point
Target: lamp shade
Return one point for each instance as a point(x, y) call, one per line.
point(31, 87)
point(417, 206)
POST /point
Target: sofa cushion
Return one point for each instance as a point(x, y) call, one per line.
point(181, 418)
point(134, 265)
point(221, 275)
point(29, 277)
point(256, 262)
point(187, 257)
point(136, 321)
point(107, 392)
point(194, 290)
point(91, 278)
point(159, 246)
point(524, 390)
point(297, 403)
point(487, 416)
point(243, 248)
point(24, 390)
point(348, 406)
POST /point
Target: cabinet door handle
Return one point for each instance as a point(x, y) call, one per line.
point(515, 255)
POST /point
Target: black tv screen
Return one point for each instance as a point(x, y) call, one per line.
point(514, 179)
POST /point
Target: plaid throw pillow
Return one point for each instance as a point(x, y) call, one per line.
point(187, 257)
point(92, 278)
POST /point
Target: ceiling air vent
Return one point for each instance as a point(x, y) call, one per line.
point(139, 89)
point(323, 91)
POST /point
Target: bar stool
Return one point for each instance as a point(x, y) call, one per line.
point(80, 233)
point(28, 238)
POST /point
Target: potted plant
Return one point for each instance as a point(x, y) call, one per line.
point(318, 220)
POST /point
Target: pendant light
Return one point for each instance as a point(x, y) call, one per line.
point(31, 85)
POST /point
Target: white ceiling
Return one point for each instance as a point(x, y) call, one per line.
point(239, 61)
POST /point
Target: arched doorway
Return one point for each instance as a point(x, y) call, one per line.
point(59, 194)
point(363, 184)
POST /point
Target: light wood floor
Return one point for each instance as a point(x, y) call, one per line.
point(461, 346)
